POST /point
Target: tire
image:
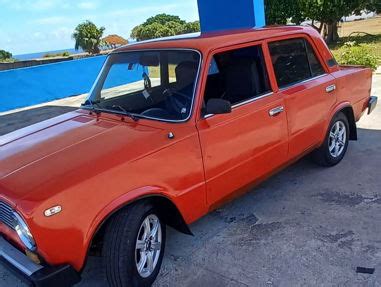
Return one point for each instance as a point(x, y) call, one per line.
point(122, 252)
point(335, 145)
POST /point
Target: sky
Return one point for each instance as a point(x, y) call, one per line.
point(29, 26)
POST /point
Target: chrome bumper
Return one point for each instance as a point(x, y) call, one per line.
point(17, 258)
point(37, 275)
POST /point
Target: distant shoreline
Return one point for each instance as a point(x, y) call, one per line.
point(40, 55)
point(6, 66)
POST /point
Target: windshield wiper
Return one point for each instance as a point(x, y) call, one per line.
point(125, 112)
point(91, 104)
point(96, 108)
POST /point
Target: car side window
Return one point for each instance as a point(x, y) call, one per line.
point(316, 67)
point(237, 75)
point(294, 61)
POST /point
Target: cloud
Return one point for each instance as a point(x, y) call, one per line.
point(55, 20)
point(87, 5)
point(36, 5)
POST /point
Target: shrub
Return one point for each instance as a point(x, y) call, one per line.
point(64, 54)
point(4, 55)
point(351, 53)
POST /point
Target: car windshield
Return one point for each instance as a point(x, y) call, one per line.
point(147, 84)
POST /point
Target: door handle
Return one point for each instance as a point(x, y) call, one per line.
point(330, 88)
point(276, 111)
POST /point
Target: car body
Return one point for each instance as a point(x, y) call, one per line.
point(88, 165)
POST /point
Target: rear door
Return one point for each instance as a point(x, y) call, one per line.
point(245, 145)
point(308, 89)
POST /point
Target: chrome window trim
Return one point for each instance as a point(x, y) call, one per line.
point(248, 101)
point(301, 82)
point(155, 50)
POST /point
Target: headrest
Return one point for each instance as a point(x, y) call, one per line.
point(186, 73)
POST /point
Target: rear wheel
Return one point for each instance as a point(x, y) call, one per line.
point(335, 145)
point(134, 246)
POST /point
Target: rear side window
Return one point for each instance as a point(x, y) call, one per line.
point(294, 61)
point(237, 75)
point(316, 67)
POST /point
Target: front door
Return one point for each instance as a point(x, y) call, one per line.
point(245, 145)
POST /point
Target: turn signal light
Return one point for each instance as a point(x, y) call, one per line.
point(53, 210)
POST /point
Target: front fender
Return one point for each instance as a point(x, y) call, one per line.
point(120, 202)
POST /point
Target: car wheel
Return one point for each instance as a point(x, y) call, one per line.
point(336, 142)
point(134, 246)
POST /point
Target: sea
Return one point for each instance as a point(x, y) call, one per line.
point(39, 55)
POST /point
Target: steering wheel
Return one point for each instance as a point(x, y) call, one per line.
point(177, 101)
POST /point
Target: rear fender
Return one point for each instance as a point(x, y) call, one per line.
point(347, 109)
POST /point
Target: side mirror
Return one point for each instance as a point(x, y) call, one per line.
point(218, 106)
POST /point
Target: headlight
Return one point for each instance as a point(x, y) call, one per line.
point(23, 232)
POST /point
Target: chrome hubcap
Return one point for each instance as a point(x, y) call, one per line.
point(337, 139)
point(148, 245)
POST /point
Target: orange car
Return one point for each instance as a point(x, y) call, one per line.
point(208, 117)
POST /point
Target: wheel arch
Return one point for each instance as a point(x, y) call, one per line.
point(348, 111)
point(167, 209)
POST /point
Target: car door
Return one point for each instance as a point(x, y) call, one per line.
point(308, 91)
point(245, 145)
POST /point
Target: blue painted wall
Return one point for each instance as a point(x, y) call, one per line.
point(30, 86)
point(35, 85)
point(229, 14)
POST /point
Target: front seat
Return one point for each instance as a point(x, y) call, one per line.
point(186, 73)
point(180, 99)
point(242, 81)
point(180, 96)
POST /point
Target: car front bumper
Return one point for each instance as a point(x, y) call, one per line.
point(372, 104)
point(35, 274)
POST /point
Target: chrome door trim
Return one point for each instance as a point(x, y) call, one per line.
point(244, 103)
point(276, 111)
point(330, 88)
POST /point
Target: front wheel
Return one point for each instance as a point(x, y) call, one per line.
point(336, 142)
point(134, 246)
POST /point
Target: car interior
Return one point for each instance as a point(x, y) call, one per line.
point(237, 76)
point(164, 88)
point(294, 61)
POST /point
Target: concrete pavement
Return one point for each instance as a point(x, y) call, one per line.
point(306, 226)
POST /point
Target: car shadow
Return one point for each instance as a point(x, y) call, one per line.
point(24, 118)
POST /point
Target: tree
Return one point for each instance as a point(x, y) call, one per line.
point(163, 25)
point(4, 55)
point(281, 11)
point(88, 37)
point(327, 12)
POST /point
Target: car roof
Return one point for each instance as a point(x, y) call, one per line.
point(205, 42)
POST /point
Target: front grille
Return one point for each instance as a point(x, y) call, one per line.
point(6, 215)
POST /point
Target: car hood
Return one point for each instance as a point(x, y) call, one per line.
point(74, 145)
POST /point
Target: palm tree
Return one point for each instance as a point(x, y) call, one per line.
point(88, 37)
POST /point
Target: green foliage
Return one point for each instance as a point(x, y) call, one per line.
point(49, 55)
point(353, 53)
point(162, 19)
point(326, 11)
point(4, 55)
point(163, 25)
point(88, 37)
point(281, 11)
